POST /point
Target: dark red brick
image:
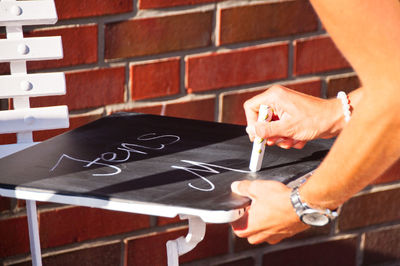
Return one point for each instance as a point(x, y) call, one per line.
point(370, 209)
point(155, 79)
point(163, 220)
point(241, 244)
point(74, 122)
point(109, 254)
point(232, 102)
point(382, 246)
point(148, 4)
point(151, 250)
point(77, 224)
point(240, 262)
point(202, 109)
point(4, 69)
point(157, 35)
point(5, 204)
point(332, 253)
point(90, 8)
point(14, 236)
point(346, 84)
point(237, 67)
point(8, 138)
point(317, 54)
point(266, 20)
point(153, 109)
point(79, 46)
point(88, 89)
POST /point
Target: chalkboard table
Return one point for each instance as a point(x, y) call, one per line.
point(151, 165)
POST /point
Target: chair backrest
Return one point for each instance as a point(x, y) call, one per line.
point(19, 85)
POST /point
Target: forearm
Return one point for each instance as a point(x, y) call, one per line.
point(367, 34)
point(359, 155)
point(370, 143)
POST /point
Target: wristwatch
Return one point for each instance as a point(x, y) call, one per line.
point(308, 215)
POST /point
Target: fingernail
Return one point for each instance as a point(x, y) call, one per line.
point(235, 187)
point(251, 131)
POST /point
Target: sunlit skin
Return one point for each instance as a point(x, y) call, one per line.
point(368, 35)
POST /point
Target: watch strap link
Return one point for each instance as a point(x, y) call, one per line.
point(301, 207)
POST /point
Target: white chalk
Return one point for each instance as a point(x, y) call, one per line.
point(257, 154)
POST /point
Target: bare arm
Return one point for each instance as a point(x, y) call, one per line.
point(370, 143)
point(368, 34)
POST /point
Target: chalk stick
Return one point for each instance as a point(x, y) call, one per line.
point(257, 154)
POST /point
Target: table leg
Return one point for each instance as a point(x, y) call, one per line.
point(33, 233)
point(182, 245)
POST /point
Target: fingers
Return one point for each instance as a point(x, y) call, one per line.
point(251, 131)
point(241, 188)
point(265, 236)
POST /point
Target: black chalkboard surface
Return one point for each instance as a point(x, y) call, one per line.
point(153, 159)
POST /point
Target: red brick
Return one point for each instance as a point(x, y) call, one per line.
point(155, 79)
point(77, 224)
point(346, 83)
point(164, 221)
point(232, 102)
point(8, 138)
point(241, 244)
point(79, 46)
point(148, 4)
point(14, 236)
point(4, 69)
point(240, 262)
point(109, 254)
point(267, 20)
point(202, 109)
point(90, 8)
point(332, 253)
point(238, 67)
point(390, 175)
point(382, 246)
point(74, 122)
point(318, 54)
point(370, 209)
point(157, 35)
point(154, 109)
point(88, 89)
point(151, 250)
point(5, 204)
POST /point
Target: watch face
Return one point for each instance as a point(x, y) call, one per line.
point(315, 219)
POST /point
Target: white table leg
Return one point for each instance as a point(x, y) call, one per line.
point(33, 233)
point(182, 245)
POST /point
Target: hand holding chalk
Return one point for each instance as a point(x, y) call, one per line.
point(264, 114)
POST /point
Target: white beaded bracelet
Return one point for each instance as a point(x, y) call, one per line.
point(345, 104)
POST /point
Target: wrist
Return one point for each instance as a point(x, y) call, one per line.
point(311, 215)
point(319, 198)
point(334, 116)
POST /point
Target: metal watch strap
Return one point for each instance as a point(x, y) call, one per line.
point(300, 207)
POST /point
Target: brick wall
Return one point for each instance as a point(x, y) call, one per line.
point(196, 59)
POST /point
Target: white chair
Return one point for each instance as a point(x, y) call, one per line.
point(19, 86)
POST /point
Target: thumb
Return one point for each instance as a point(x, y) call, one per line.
point(241, 188)
point(271, 129)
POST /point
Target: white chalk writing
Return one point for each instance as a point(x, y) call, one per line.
point(206, 168)
point(127, 148)
point(107, 159)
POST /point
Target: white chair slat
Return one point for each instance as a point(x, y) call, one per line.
point(32, 119)
point(29, 49)
point(32, 85)
point(19, 13)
